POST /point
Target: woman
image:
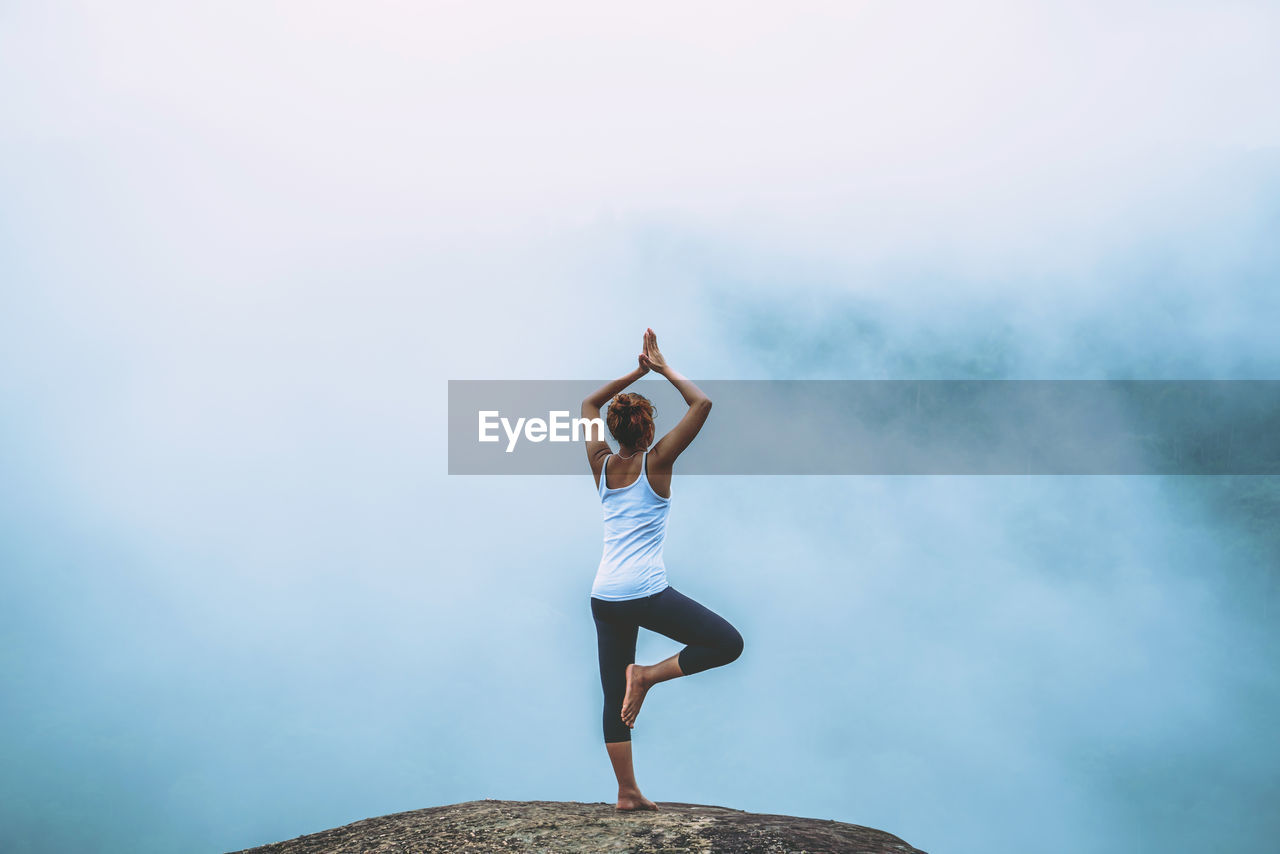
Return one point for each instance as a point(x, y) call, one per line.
point(630, 588)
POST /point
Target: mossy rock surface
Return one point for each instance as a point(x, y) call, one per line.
point(556, 827)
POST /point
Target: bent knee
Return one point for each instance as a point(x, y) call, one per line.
point(732, 646)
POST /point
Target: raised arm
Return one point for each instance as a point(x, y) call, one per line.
point(670, 446)
point(598, 449)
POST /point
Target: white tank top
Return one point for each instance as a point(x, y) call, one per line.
point(635, 528)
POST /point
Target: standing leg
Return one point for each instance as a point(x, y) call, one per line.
point(629, 797)
point(616, 640)
point(711, 641)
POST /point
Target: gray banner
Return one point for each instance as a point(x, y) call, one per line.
point(955, 427)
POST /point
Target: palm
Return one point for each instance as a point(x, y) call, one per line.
point(651, 358)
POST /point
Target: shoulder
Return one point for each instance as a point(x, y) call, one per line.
point(596, 461)
point(659, 459)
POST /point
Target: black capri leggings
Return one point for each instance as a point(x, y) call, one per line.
point(711, 641)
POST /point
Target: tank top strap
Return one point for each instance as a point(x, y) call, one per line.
point(603, 473)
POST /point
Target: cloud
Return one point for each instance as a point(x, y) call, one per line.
point(245, 245)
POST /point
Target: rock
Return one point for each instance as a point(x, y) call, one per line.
point(569, 827)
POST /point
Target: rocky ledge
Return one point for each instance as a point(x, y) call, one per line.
point(570, 827)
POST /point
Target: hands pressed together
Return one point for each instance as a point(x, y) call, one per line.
point(650, 357)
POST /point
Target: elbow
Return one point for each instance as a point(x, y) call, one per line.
point(705, 404)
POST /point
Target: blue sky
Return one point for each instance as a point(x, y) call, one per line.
point(244, 246)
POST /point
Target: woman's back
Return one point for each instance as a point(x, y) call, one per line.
point(635, 530)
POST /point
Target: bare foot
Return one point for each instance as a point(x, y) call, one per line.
point(634, 801)
point(637, 687)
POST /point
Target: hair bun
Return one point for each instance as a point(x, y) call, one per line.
point(630, 419)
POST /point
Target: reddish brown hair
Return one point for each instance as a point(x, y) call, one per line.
point(630, 420)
